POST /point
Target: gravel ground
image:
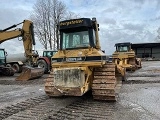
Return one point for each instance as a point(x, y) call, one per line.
point(12, 91)
point(140, 94)
point(139, 99)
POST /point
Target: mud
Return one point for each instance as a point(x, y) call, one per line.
point(139, 99)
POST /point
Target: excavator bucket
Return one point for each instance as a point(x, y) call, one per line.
point(29, 73)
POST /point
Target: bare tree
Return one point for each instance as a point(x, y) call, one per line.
point(71, 15)
point(46, 16)
point(58, 13)
point(39, 19)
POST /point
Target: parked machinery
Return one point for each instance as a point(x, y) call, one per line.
point(126, 57)
point(27, 34)
point(16, 61)
point(80, 65)
point(4, 70)
point(45, 60)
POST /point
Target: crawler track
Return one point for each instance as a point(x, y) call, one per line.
point(105, 83)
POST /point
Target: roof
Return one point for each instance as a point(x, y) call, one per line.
point(145, 45)
point(122, 44)
point(74, 23)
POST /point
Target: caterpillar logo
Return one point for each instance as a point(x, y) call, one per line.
point(66, 23)
point(74, 59)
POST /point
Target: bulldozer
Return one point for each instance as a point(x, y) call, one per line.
point(80, 65)
point(27, 34)
point(124, 56)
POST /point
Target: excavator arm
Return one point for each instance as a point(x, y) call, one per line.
point(9, 35)
point(27, 34)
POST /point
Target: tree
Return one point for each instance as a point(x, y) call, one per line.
point(71, 15)
point(46, 16)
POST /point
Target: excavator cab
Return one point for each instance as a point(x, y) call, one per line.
point(79, 37)
point(2, 57)
point(4, 70)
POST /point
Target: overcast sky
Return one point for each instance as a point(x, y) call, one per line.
point(133, 21)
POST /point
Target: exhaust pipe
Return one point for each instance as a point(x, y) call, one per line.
point(29, 73)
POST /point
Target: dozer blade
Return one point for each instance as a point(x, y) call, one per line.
point(29, 73)
point(66, 82)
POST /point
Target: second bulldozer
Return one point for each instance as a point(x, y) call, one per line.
point(80, 64)
point(125, 57)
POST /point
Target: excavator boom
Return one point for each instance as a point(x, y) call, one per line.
point(27, 34)
point(7, 35)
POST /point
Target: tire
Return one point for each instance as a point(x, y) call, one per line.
point(8, 71)
point(43, 64)
point(17, 68)
point(8, 65)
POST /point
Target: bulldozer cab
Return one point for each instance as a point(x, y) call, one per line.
point(78, 33)
point(123, 47)
point(2, 57)
point(74, 39)
point(78, 41)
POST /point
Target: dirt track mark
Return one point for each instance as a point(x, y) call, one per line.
point(13, 109)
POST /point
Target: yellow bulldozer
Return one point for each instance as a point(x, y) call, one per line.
point(80, 65)
point(124, 56)
point(27, 34)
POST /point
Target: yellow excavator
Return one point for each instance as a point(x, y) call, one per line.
point(80, 65)
point(124, 56)
point(27, 34)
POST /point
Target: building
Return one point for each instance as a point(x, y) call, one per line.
point(147, 50)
